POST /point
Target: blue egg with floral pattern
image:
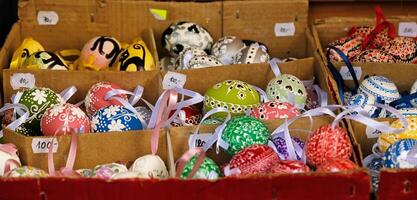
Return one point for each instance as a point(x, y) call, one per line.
point(396, 154)
point(115, 118)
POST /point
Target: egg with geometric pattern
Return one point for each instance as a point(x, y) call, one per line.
point(396, 154)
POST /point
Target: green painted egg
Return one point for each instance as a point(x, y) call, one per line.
point(37, 100)
point(207, 170)
point(236, 96)
point(279, 88)
point(244, 131)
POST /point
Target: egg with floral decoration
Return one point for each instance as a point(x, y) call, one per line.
point(367, 103)
point(106, 171)
point(289, 167)
point(136, 57)
point(350, 46)
point(254, 53)
point(275, 110)
point(181, 35)
point(207, 170)
point(37, 100)
point(204, 61)
point(410, 132)
point(187, 116)
point(26, 171)
point(99, 53)
point(94, 100)
point(236, 96)
point(281, 87)
point(226, 48)
point(45, 60)
point(282, 149)
point(115, 118)
point(185, 56)
point(403, 49)
point(327, 143)
point(414, 90)
point(150, 166)
point(379, 86)
point(396, 154)
point(336, 165)
point(244, 131)
point(255, 159)
point(64, 116)
point(8, 158)
point(375, 55)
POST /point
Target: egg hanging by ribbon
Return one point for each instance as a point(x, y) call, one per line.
point(150, 166)
point(226, 48)
point(403, 49)
point(99, 53)
point(374, 55)
point(207, 170)
point(366, 102)
point(350, 46)
point(115, 118)
point(94, 100)
point(255, 159)
point(281, 87)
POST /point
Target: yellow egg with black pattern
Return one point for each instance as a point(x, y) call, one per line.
point(23, 52)
point(136, 57)
point(387, 139)
point(45, 60)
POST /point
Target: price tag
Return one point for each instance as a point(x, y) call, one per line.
point(174, 80)
point(41, 145)
point(284, 29)
point(47, 18)
point(22, 80)
point(198, 140)
point(373, 133)
point(407, 29)
point(159, 14)
point(344, 71)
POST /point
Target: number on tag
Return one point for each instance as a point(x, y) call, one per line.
point(174, 80)
point(42, 145)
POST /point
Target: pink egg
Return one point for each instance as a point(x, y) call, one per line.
point(289, 167)
point(99, 53)
point(54, 119)
point(94, 99)
point(275, 110)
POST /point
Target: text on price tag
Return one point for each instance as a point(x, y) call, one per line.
point(198, 140)
point(284, 29)
point(173, 80)
point(47, 18)
point(407, 29)
point(22, 80)
point(42, 145)
point(344, 71)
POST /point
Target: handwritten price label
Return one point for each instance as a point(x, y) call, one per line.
point(42, 145)
point(198, 140)
point(22, 80)
point(373, 133)
point(174, 80)
point(407, 29)
point(284, 29)
point(344, 71)
point(47, 18)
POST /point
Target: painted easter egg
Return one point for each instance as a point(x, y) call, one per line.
point(275, 110)
point(255, 159)
point(115, 118)
point(94, 100)
point(281, 87)
point(226, 48)
point(99, 53)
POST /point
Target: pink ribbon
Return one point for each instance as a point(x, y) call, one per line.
point(10, 149)
point(181, 162)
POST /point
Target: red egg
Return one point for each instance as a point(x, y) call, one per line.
point(289, 167)
point(403, 49)
point(275, 110)
point(188, 116)
point(94, 99)
point(335, 165)
point(362, 32)
point(55, 117)
point(255, 159)
point(326, 143)
point(374, 55)
point(350, 46)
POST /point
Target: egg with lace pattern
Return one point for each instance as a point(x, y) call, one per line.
point(207, 170)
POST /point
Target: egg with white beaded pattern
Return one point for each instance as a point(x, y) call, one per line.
point(396, 154)
point(204, 61)
point(115, 118)
point(185, 56)
point(366, 102)
point(379, 86)
point(281, 87)
point(254, 53)
point(207, 170)
point(414, 90)
point(226, 48)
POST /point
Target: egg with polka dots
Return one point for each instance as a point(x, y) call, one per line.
point(281, 86)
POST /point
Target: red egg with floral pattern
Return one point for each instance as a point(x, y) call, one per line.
point(187, 116)
point(403, 49)
point(275, 110)
point(350, 46)
point(94, 99)
point(375, 55)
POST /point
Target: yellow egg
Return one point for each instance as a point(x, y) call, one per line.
point(136, 57)
point(27, 48)
point(386, 139)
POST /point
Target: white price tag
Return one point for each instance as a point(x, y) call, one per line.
point(407, 29)
point(22, 80)
point(198, 140)
point(41, 145)
point(173, 80)
point(284, 29)
point(344, 71)
point(47, 18)
point(373, 133)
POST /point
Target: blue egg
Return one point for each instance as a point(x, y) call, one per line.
point(115, 118)
point(396, 154)
point(366, 102)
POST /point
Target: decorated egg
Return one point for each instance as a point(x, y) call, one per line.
point(144, 113)
point(167, 63)
point(207, 170)
point(350, 46)
point(115, 118)
point(94, 100)
point(181, 35)
point(23, 52)
point(254, 53)
point(275, 110)
point(403, 49)
point(185, 56)
point(64, 116)
point(326, 143)
point(106, 171)
point(336, 165)
point(45, 60)
point(281, 147)
point(37, 100)
point(366, 102)
point(312, 100)
point(362, 32)
point(187, 116)
point(396, 154)
point(136, 57)
point(250, 42)
point(26, 171)
point(255, 159)
point(282, 86)
point(406, 112)
point(374, 55)
point(85, 172)
point(150, 166)
point(236, 96)
point(99, 53)
point(204, 61)
point(289, 167)
point(226, 48)
point(244, 131)
point(381, 87)
point(69, 56)
point(414, 90)
point(8, 158)
point(410, 132)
